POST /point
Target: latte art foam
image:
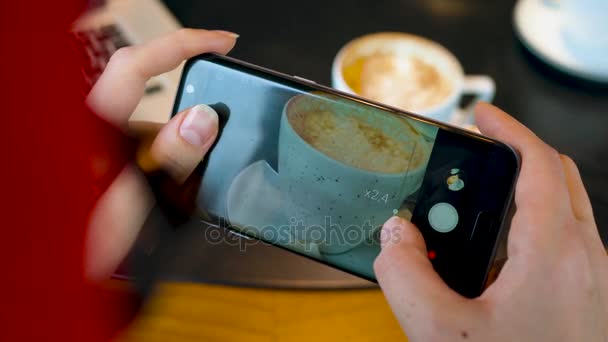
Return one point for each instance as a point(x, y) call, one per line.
point(354, 142)
point(406, 82)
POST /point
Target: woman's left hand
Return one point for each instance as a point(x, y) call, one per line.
point(178, 147)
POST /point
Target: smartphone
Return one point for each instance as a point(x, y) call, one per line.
point(317, 171)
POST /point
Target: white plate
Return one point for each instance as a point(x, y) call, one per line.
point(539, 27)
point(254, 201)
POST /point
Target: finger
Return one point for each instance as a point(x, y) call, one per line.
point(415, 292)
point(178, 148)
point(581, 207)
point(541, 187)
point(183, 142)
point(579, 200)
point(115, 223)
point(121, 86)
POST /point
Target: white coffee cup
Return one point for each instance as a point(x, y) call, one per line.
point(481, 87)
point(332, 196)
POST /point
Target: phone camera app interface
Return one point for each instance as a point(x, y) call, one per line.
point(320, 174)
point(443, 217)
point(455, 180)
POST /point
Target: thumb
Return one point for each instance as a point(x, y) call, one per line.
point(182, 143)
point(415, 292)
point(119, 215)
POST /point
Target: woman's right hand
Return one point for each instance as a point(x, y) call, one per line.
point(554, 285)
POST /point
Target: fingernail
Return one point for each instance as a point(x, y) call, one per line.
point(228, 33)
point(199, 125)
point(389, 229)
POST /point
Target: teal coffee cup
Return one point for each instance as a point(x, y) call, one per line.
point(344, 169)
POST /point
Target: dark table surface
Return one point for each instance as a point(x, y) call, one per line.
point(302, 37)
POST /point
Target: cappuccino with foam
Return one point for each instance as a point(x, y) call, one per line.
point(411, 73)
point(352, 141)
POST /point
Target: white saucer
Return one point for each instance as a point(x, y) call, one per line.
point(254, 201)
point(539, 27)
point(463, 119)
point(254, 197)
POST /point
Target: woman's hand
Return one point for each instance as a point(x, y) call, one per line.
point(178, 147)
point(553, 287)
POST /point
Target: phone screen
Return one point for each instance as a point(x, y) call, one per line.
point(304, 168)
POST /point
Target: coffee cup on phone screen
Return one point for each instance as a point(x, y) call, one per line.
point(339, 193)
point(410, 73)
